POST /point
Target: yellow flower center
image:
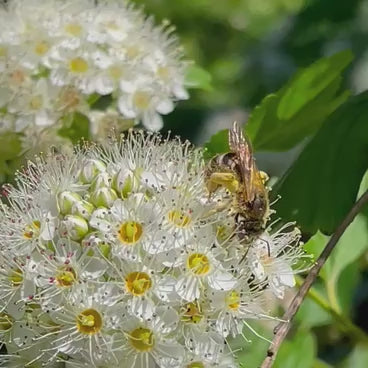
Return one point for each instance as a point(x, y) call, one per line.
point(31, 230)
point(115, 72)
point(112, 25)
point(163, 72)
point(78, 65)
point(142, 339)
point(66, 277)
point(232, 300)
point(130, 232)
point(179, 219)
point(89, 322)
point(191, 313)
point(3, 51)
point(138, 283)
point(73, 29)
point(16, 277)
point(6, 322)
point(35, 103)
point(132, 52)
point(41, 48)
point(141, 100)
point(198, 263)
point(195, 365)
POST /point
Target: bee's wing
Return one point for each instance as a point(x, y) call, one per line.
point(240, 145)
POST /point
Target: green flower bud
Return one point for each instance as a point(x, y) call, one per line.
point(122, 182)
point(76, 227)
point(83, 209)
point(66, 201)
point(103, 197)
point(90, 170)
point(102, 180)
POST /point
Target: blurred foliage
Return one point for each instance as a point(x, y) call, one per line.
point(282, 62)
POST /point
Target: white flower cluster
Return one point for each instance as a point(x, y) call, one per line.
point(114, 256)
point(57, 56)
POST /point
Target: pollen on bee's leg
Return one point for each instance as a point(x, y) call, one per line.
point(227, 180)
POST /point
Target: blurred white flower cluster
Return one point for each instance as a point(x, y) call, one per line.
point(57, 57)
point(114, 256)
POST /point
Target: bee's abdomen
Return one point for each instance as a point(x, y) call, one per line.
point(227, 160)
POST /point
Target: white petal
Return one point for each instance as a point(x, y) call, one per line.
point(188, 288)
point(126, 108)
point(165, 107)
point(141, 307)
point(221, 280)
point(286, 275)
point(165, 289)
point(258, 269)
point(152, 121)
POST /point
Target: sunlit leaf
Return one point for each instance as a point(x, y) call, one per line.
point(297, 110)
point(358, 358)
point(197, 77)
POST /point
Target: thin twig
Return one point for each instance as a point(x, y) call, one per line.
point(282, 328)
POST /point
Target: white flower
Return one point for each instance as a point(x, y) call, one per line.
point(148, 343)
point(114, 256)
point(54, 55)
point(127, 226)
point(84, 321)
point(235, 307)
point(201, 269)
point(271, 258)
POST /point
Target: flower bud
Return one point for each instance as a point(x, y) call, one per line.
point(83, 209)
point(76, 227)
point(90, 170)
point(103, 197)
point(100, 181)
point(123, 182)
point(66, 201)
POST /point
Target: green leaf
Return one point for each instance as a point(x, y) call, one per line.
point(196, 77)
point(217, 144)
point(299, 351)
point(347, 286)
point(321, 186)
point(358, 358)
point(296, 111)
point(76, 127)
point(251, 353)
point(315, 246)
point(351, 246)
point(10, 145)
point(311, 314)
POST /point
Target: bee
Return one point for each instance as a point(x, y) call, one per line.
point(237, 172)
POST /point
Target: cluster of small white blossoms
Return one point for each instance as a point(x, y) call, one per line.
point(57, 56)
point(114, 256)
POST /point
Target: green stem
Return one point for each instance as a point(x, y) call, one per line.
point(345, 323)
point(331, 294)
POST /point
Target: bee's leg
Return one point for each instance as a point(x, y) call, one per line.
point(264, 177)
point(227, 180)
point(211, 187)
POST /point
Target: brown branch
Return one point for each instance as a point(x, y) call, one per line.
point(283, 328)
